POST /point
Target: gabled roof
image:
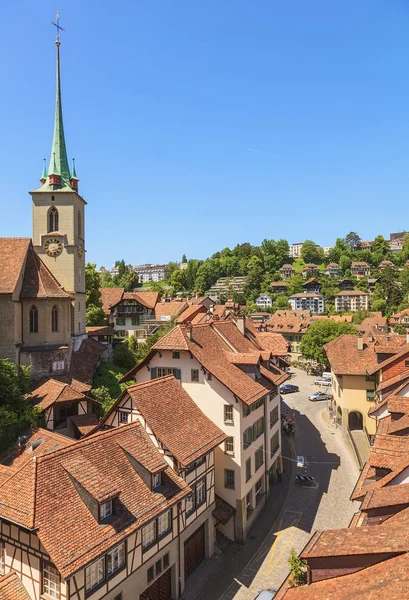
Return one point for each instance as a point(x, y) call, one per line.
point(345, 357)
point(13, 253)
point(211, 350)
point(392, 495)
point(402, 378)
point(45, 493)
point(147, 299)
point(55, 391)
point(190, 313)
point(110, 297)
point(174, 418)
point(11, 587)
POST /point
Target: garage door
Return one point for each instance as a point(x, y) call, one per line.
point(194, 551)
point(159, 590)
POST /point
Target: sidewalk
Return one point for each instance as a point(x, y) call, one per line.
point(216, 574)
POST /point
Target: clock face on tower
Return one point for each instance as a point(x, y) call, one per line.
point(53, 247)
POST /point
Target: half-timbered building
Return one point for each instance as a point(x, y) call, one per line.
point(234, 383)
point(64, 407)
point(105, 517)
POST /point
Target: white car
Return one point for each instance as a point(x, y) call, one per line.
point(320, 396)
point(324, 382)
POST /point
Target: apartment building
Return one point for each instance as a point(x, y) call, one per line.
point(291, 324)
point(226, 286)
point(235, 384)
point(149, 273)
point(385, 264)
point(307, 301)
point(351, 300)
point(310, 270)
point(106, 517)
point(295, 250)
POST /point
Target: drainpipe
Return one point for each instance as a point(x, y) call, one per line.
point(179, 507)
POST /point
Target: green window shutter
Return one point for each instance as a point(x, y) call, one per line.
point(178, 374)
point(153, 372)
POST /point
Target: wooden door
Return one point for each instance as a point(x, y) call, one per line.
point(194, 551)
point(160, 589)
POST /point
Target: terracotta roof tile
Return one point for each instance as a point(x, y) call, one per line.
point(110, 297)
point(169, 309)
point(346, 359)
point(174, 418)
point(387, 496)
point(210, 349)
point(43, 495)
point(53, 391)
point(402, 352)
point(38, 281)
point(11, 587)
point(147, 299)
point(13, 253)
point(387, 579)
point(190, 313)
point(85, 423)
point(401, 378)
point(100, 330)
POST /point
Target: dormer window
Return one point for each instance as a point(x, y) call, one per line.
point(156, 480)
point(106, 510)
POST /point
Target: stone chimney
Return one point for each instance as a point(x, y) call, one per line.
point(360, 342)
point(189, 331)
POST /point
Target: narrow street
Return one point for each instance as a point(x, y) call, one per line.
point(295, 513)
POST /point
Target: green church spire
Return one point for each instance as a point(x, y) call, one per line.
point(58, 161)
point(44, 175)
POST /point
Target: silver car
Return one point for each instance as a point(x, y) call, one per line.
point(316, 396)
point(266, 595)
point(323, 382)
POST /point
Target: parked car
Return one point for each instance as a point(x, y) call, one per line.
point(266, 595)
point(289, 388)
point(324, 382)
point(326, 375)
point(316, 396)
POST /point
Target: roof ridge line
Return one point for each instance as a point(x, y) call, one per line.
point(89, 440)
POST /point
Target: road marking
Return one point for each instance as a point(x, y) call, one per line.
point(270, 564)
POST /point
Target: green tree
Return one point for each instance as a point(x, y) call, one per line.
point(178, 281)
point(124, 357)
point(281, 302)
point(298, 568)
point(94, 315)
point(380, 246)
point(254, 277)
point(92, 285)
point(184, 259)
point(352, 240)
point(319, 334)
point(345, 262)
point(207, 275)
point(128, 280)
point(295, 285)
point(310, 252)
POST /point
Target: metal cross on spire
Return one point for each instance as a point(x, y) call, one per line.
point(57, 25)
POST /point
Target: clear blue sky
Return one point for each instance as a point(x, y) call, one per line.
point(200, 124)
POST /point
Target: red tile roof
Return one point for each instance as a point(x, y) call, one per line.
point(38, 281)
point(147, 299)
point(392, 495)
point(387, 579)
point(391, 359)
point(174, 418)
point(42, 494)
point(100, 330)
point(85, 424)
point(53, 391)
point(190, 313)
point(13, 253)
point(169, 309)
point(401, 378)
point(346, 359)
point(11, 587)
point(110, 297)
point(211, 350)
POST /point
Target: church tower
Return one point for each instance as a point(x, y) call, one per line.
point(58, 219)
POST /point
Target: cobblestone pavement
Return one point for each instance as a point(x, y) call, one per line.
point(242, 571)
